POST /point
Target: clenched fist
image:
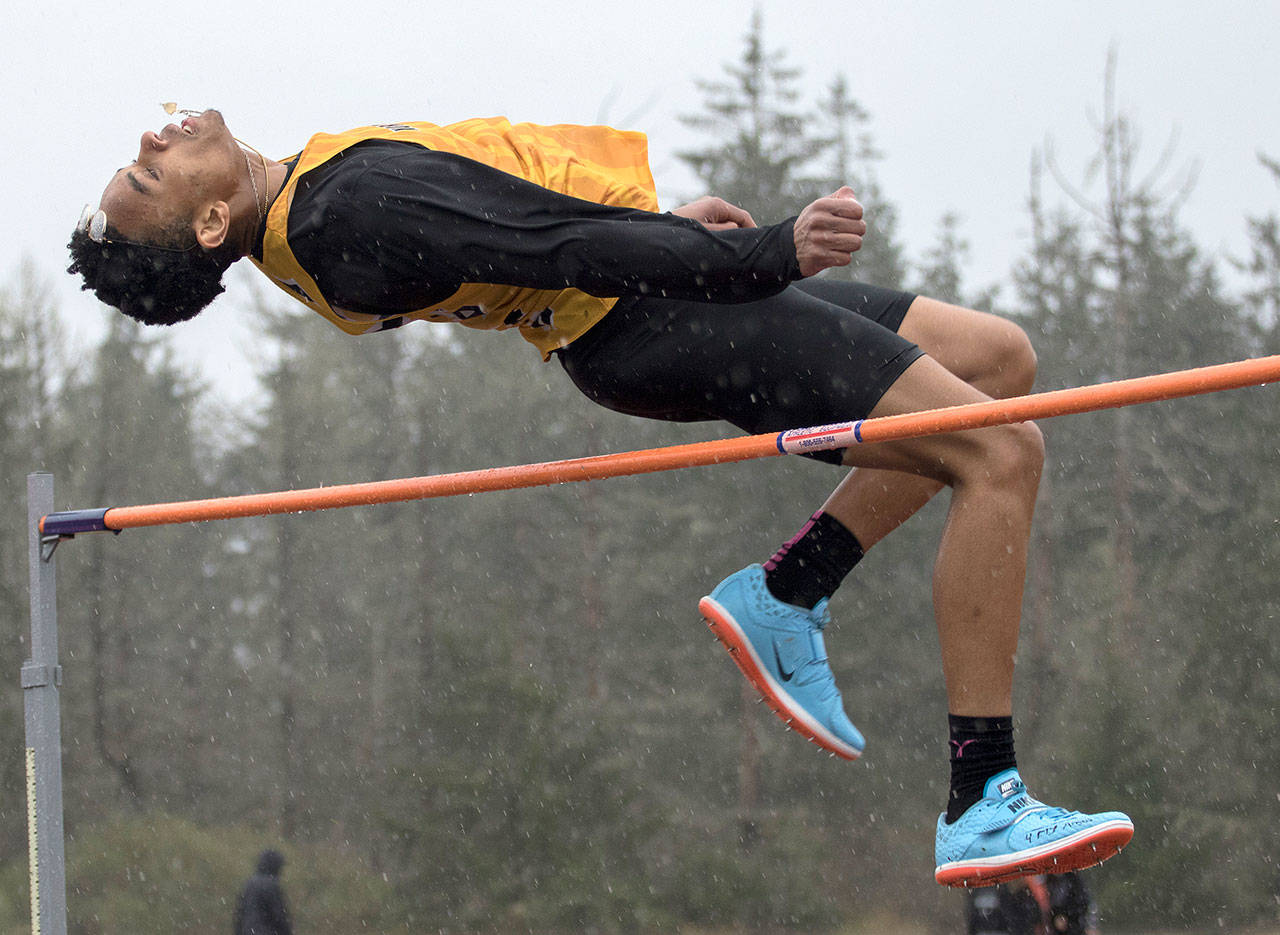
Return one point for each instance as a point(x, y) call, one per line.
point(828, 231)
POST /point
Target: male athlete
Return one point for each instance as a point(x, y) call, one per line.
point(689, 315)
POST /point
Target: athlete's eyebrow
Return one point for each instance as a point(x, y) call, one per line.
point(138, 186)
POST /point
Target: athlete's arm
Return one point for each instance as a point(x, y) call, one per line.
point(401, 228)
point(827, 233)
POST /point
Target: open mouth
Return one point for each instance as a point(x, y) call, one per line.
point(190, 117)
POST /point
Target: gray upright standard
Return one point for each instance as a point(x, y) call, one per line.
point(41, 683)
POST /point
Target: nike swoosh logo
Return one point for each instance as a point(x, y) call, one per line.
point(783, 672)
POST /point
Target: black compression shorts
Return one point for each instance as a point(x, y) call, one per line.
point(816, 353)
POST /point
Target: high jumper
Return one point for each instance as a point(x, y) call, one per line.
point(693, 314)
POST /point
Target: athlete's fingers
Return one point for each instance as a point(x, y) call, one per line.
point(715, 213)
point(732, 214)
point(837, 258)
point(845, 243)
point(841, 229)
point(829, 214)
point(838, 225)
point(843, 203)
point(718, 213)
point(844, 208)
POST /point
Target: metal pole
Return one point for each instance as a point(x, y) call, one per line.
point(41, 683)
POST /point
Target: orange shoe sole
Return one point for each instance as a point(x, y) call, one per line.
point(1088, 850)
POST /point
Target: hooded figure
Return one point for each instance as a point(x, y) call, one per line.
point(260, 910)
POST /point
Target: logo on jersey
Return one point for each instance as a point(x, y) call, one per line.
point(293, 286)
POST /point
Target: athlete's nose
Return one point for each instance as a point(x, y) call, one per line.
point(152, 142)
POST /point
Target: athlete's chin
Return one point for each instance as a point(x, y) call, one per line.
point(211, 125)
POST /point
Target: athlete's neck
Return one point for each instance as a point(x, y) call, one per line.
point(270, 186)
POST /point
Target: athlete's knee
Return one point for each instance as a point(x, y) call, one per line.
point(1020, 360)
point(1010, 457)
point(991, 353)
point(1022, 451)
point(1011, 360)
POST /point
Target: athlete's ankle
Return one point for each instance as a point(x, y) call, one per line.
point(811, 565)
point(980, 747)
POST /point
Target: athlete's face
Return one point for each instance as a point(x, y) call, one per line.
point(178, 173)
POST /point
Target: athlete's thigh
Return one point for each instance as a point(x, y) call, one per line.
point(978, 347)
point(788, 361)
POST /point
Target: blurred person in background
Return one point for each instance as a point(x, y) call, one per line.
point(260, 908)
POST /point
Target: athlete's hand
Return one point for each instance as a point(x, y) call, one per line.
point(828, 232)
point(715, 214)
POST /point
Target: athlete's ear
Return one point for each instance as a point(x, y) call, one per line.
point(212, 224)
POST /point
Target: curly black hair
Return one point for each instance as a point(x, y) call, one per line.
point(156, 284)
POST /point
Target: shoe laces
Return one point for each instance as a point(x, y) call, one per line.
point(818, 668)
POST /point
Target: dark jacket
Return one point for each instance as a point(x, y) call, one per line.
point(260, 909)
point(1074, 911)
point(1002, 910)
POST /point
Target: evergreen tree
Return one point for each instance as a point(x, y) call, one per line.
point(135, 610)
point(762, 146)
point(31, 362)
point(1144, 521)
point(1263, 265)
point(853, 157)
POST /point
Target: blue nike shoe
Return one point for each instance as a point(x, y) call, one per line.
point(779, 649)
point(1007, 834)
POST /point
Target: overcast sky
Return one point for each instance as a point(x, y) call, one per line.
point(959, 95)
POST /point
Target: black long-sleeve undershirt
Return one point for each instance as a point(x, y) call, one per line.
point(389, 227)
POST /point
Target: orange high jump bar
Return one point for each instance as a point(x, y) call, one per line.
point(1119, 393)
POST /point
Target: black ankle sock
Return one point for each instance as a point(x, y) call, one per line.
point(812, 565)
point(980, 748)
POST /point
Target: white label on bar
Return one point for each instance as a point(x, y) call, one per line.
point(820, 438)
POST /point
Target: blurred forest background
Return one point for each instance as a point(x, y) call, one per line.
point(502, 713)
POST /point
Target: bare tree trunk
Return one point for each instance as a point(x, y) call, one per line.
point(1122, 201)
point(289, 791)
point(597, 690)
point(748, 770)
point(115, 756)
point(1043, 586)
